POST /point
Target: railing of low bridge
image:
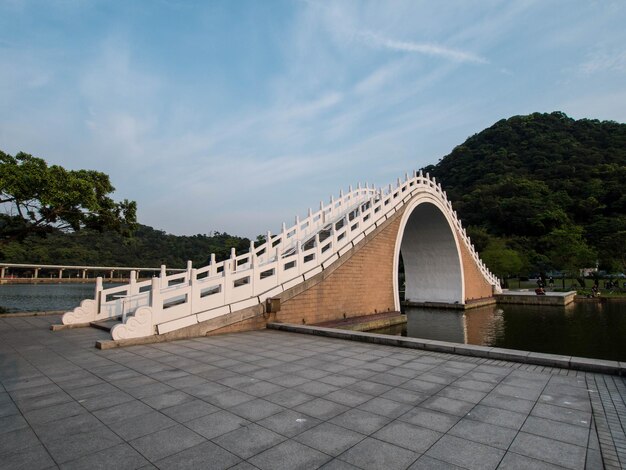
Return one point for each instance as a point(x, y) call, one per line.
point(281, 262)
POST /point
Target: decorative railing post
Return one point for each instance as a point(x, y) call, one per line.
point(212, 269)
point(132, 284)
point(192, 289)
point(162, 276)
point(155, 294)
point(98, 296)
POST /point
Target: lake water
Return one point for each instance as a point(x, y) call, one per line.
point(42, 297)
point(580, 329)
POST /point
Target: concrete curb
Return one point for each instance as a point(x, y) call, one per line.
point(550, 360)
point(32, 314)
point(69, 327)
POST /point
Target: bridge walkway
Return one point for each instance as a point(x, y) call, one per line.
point(282, 400)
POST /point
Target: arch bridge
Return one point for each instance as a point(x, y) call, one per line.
point(339, 261)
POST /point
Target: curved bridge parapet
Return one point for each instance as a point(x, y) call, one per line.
point(349, 246)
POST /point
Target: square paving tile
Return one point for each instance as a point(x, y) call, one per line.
point(466, 454)
point(63, 449)
point(8, 409)
point(248, 440)
point(122, 411)
point(518, 405)
point(216, 424)
point(18, 439)
point(229, 398)
point(321, 408)
point(12, 423)
point(348, 397)
point(448, 405)
point(142, 425)
point(66, 427)
point(489, 434)
point(289, 398)
point(43, 401)
point(422, 386)
point(370, 388)
point(289, 423)
point(205, 455)
point(330, 439)
point(549, 450)
point(426, 462)
point(166, 400)
point(317, 389)
point(120, 457)
point(455, 393)
point(189, 410)
point(287, 380)
point(289, 455)
point(256, 409)
point(53, 413)
point(513, 461)
point(407, 435)
point(360, 421)
point(556, 430)
point(404, 396)
point(564, 415)
point(28, 458)
point(374, 454)
point(497, 416)
point(166, 442)
point(384, 407)
point(430, 419)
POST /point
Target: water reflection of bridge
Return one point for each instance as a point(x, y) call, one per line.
point(477, 326)
point(20, 273)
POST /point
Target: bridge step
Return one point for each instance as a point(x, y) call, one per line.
point(105, 325)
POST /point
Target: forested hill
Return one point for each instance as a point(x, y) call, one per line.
point(146, 248)
point(544, 188)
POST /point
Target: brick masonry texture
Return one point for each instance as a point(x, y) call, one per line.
point(359, 284)
point(476, 286)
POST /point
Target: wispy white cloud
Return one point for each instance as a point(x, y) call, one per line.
point(603, 61)
point(431, 49)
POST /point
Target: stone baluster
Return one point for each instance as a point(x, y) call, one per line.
point(233, 260)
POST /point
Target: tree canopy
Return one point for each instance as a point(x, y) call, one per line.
point(38, 199)
point(551, 188)
point(146, 248)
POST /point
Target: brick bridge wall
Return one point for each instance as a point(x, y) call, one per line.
point(360, 283)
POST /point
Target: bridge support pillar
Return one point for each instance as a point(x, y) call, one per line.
point(36, 276)
point(111, 274)
point(84, 273)
point(2, 272)
point(61, 273)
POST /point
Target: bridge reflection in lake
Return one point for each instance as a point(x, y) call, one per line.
point(580, 329)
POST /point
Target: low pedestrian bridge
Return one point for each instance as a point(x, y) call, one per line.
point(339, 261)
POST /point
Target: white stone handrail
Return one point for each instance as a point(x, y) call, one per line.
point(283, 260)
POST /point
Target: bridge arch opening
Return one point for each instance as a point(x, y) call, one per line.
point(431, 257)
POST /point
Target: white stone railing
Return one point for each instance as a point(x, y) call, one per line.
point(171, 302)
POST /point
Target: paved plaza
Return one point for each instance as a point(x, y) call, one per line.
point(276, 400)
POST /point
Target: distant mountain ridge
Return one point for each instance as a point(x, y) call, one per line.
point(529, 181)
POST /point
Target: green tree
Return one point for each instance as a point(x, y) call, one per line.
point(503, 261)
point(568, 251)
point(38, 198)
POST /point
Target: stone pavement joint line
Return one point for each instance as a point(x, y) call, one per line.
point(279, 400)
point(609, 409)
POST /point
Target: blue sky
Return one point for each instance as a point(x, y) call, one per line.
point(237, 115)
